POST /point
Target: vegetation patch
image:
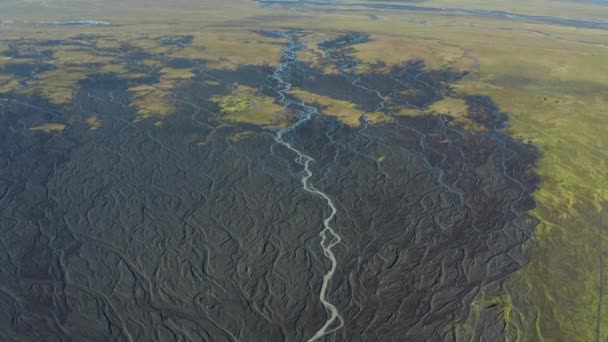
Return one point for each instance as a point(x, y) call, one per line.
point(49, 127)
point(392, 51)
point(451, 106)
point(229, 50)
point(9, 83)
point(80, 57)
point(377, 117)
point(156, 100)
point(58, 86)
point(93, 123)
point(246, 104)
point(236, 137)
point(313, 55)
point(345, 111)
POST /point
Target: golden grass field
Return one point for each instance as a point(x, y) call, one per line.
point(551, 79)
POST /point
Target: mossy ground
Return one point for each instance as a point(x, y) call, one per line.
point(156, 100)
point(93, 123)
point(246, 104)
point(345, 111)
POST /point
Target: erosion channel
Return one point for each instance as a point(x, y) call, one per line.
point(387, 228)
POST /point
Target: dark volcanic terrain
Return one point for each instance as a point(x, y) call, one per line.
point(135, 232)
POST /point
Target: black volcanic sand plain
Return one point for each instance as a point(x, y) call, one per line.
point(184, 232)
